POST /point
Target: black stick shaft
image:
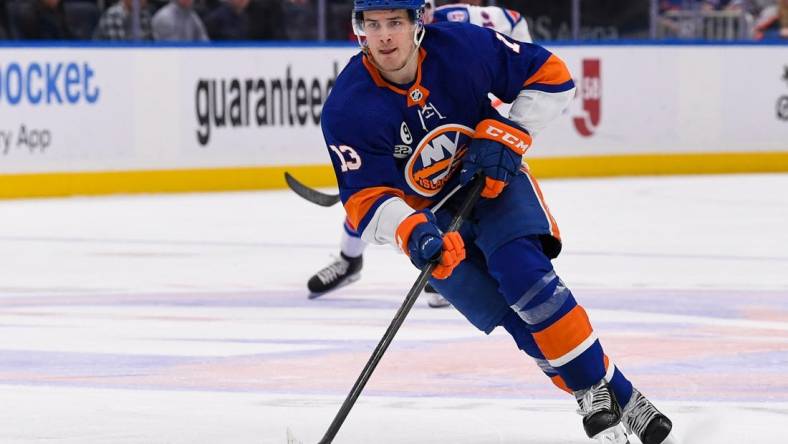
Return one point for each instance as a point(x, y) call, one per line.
point(399, 318)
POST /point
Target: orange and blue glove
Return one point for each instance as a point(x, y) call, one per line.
point(497, 150)
point(421, 239)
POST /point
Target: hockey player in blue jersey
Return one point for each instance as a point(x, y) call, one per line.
point(407, 123)
point(347, 267)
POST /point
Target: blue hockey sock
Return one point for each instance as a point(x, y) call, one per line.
point(559, 326)
point(620, 385)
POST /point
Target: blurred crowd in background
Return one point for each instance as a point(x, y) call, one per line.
point(217, 20)
point(724, 19)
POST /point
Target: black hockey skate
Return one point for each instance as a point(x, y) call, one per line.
point(345, 270)
point(645, 421)
point(601, 414)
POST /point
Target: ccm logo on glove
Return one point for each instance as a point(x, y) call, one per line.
point(514, 139)
point(497, 152)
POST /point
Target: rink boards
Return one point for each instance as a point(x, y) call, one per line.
point(106, 119)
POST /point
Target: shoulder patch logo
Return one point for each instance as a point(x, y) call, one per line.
point(402, 151)
point(457, 16)
point(436, 158)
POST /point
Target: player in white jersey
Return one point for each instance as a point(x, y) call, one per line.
point(505, 21)
point(346, 268)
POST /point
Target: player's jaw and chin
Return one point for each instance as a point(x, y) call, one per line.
point(393, 53)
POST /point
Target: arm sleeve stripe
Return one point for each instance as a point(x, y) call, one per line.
point(552, 72)
point(566, 86)
point(369, 218)
point(361, 203)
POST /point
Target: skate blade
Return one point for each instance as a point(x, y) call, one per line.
point(349, 280)
point(291, 439)
point(613, 435)
point(433, 302)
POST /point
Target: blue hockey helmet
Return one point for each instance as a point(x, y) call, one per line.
point(415, 10)
point(372, 5)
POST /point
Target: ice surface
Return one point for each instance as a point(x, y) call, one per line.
point(184, 319)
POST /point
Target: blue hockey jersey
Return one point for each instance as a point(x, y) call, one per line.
point(396, 148)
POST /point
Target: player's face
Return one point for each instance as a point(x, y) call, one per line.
point(389, 37)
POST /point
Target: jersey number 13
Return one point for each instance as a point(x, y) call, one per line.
point(348, 157)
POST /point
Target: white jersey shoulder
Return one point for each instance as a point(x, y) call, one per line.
point(507, 22)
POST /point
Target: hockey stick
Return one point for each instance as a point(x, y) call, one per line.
point(310, 194)
point(399, 318)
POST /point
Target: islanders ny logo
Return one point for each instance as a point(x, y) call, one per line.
point(591, 93)
point(436, 157)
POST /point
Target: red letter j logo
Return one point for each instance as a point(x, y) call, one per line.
point(591, 91)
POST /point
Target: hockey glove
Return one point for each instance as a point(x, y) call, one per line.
point(421, 239)
point(497, 151)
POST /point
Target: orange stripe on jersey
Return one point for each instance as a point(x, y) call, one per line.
point(360, 203)
point(554, 231)
point(378, 79)
point(565, 334)
point(420, 99)
point(552, 72)
point(558, 381)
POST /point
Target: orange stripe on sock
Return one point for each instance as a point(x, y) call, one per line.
point(565, 334)
point(558, 381)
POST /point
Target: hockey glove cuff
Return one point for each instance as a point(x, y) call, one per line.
point(421, 239)
point(497, 151)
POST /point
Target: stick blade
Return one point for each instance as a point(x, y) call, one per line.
point(291, 439)
point(310, 194)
